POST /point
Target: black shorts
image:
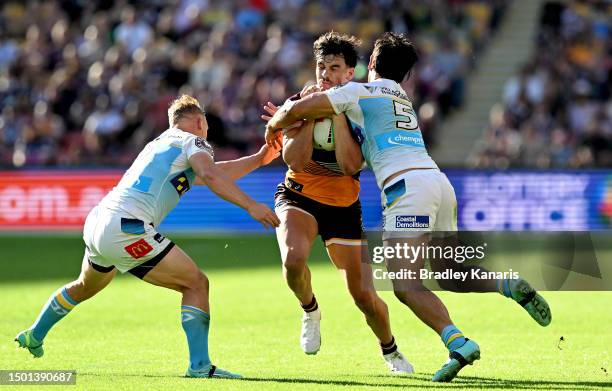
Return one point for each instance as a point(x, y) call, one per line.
point(335, 222)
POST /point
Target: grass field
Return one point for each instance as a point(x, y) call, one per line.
point(130, 337)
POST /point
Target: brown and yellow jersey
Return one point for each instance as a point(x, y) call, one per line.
point(323, 181)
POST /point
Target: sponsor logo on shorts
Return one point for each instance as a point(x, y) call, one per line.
point(158, 237)
point(139, 249)
point(411, 221)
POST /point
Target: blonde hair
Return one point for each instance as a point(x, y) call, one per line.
point(181, 106)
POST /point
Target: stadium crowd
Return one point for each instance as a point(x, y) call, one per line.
point(89, 82)
point(556, 111)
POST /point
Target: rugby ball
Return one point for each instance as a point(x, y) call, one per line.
point(323, 134)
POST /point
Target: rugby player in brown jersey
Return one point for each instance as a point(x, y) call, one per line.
point(320, 196)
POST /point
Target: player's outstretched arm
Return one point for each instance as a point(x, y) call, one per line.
point(205, 168)
point(348, 153)
point(236, 169)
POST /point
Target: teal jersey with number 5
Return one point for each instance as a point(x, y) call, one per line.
point(385, 125)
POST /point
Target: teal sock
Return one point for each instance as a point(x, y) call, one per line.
point(195, 323)
point(58, 306)
point(453, 338)
point(503, 286)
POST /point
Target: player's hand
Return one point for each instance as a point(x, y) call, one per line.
point(311, 89)
point(267, 153)
point(272, 139)
point(271, 109)
point(264, 215)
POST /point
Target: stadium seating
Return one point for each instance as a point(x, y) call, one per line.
point(88, 83)
point(556, 111)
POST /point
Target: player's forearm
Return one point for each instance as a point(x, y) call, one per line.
point(348, 153)
point(236, 169)
point(225, 188)
point(297, 149)
point(207, 171)
point(313, 106)
point(284, 116)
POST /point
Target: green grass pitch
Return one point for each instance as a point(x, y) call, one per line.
point(130, 337)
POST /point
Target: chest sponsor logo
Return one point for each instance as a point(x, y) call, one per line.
point(399, 138)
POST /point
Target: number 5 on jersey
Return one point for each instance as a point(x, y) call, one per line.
point(409, 119)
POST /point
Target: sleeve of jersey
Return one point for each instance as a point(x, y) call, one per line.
point(342, 98)
point(195, 144)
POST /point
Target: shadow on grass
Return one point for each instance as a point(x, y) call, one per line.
point(500, 383)
point(417, 381)
point(472, 382)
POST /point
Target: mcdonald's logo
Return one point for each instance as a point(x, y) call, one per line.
point(139, 249)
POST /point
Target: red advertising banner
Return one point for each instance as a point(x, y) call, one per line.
point(41, 200)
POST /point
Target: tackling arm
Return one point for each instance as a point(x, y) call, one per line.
point(348, 153)
point(316, 105)
point(205, 168)
point(236, 169)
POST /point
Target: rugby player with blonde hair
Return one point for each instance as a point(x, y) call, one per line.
point(120, 233)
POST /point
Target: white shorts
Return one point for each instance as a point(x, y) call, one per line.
point(419, 201)
point(123, 242)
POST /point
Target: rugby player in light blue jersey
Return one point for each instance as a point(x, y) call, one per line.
point(120, 232)
point(418, 200)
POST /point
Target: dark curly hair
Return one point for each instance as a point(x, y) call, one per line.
point(334, 43)
point(394, 56)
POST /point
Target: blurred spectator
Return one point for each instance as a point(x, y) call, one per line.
point(131, 33)
point(89, 82)
point(557, 111)
point(102, 125)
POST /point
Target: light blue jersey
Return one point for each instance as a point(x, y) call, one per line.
point(385, 124)
point(157, 179)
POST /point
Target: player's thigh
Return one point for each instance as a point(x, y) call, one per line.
point(176, 271)
point(295, 234)
point(92, 279)
point(446, 217)
point(438, 245)
point(126, 243)
point(411, 202)
point(353, 261)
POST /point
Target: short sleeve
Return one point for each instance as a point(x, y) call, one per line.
point(342, 98)
point(195, 144)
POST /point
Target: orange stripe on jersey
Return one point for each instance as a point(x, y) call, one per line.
point(339, 190)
